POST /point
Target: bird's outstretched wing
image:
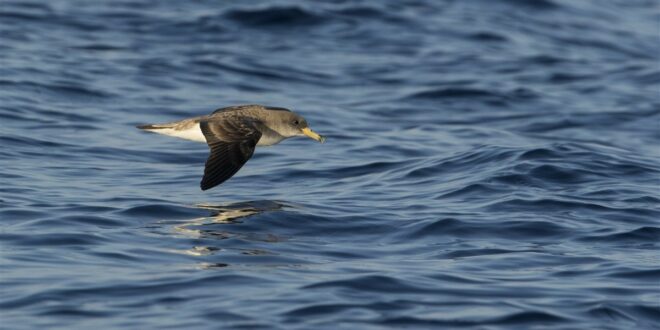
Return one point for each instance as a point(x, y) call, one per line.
point(232, 142)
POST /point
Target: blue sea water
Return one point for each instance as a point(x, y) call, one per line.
point(489, 165)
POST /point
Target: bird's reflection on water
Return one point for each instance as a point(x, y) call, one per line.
point(234, 213)
point(227, 214)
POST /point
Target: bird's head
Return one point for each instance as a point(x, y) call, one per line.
point(295, 125)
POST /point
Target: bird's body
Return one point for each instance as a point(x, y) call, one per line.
point(232, 133)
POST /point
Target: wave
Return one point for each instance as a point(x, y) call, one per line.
point(646, 234)
point(286, 16)
point(488, 162)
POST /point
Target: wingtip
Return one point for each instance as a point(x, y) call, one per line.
point(204, 186)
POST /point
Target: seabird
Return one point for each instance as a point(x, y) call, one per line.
point(233, 132)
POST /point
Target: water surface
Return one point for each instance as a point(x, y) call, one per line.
point(490, 165)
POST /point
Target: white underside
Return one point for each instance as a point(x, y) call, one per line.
point(194, 133)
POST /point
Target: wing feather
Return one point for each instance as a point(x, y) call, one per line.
point(231, 141)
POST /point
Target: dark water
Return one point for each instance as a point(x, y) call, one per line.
point(490, 165)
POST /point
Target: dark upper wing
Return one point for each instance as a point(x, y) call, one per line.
point(246, 106)
point(230, 108)
point(232, 142)
point(235, 108)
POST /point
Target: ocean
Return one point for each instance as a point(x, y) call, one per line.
point(489, 165)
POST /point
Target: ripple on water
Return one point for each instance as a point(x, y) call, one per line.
point(273, 17)
point(490, 164)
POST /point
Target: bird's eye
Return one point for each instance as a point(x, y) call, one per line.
point(295, 122)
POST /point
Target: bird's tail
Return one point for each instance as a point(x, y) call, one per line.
point(150, 127)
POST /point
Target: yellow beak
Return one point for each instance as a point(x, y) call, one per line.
point(308, 131)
